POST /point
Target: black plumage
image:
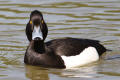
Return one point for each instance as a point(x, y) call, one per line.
point(46, 57)
point(74, 46)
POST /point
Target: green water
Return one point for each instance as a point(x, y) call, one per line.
point(93, 19)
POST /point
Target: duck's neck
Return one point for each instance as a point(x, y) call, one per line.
point(39, 46)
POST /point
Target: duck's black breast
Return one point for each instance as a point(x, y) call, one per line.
point(46, 59)
point(74, 46)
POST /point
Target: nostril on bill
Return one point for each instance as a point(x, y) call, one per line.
point(37, 39)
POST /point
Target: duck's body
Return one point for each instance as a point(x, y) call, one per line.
point(59, 53)
point(76, 52)
point(64, 53)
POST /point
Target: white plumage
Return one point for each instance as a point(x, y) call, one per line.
point(88, 55)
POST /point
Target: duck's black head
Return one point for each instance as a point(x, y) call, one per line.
point(36, 26)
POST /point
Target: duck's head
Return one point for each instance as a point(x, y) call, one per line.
point(36, 27)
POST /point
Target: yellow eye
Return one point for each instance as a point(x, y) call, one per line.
point(30, 22)
point(42, 21)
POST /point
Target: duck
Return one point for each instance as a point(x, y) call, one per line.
point(58, 53)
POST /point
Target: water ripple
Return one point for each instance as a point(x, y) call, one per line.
point(91, 19)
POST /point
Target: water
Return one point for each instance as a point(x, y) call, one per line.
point(91, 19)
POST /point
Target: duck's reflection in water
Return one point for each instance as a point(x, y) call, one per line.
point(36, 73)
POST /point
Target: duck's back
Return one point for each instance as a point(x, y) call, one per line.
point(74, 46)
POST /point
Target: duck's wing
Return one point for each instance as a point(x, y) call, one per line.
point(74, 46)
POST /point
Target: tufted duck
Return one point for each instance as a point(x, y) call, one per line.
point(58, 53)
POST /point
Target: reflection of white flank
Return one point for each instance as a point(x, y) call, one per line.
point(37, 33)
point(88, 55)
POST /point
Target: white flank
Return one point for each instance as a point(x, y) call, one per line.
point(37, 33)
point(88, 55)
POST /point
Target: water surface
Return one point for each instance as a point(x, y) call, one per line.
point(91, 19)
